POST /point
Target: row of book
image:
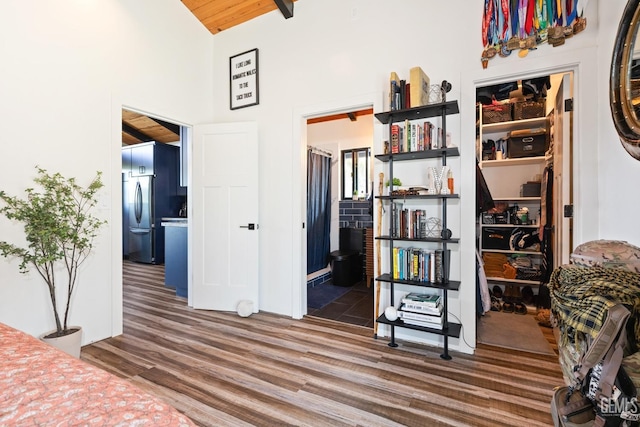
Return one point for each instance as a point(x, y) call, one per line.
point(410, 223)
point(420, 265)
point(422, 310)
point(408, 94)
point(412, 136)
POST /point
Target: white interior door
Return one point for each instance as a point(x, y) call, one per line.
point(224, 216)
point(562, 174)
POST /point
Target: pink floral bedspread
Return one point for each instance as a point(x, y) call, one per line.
point(42, 386)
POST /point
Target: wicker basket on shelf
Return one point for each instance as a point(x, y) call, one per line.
point(529, 109)
point(496, 113)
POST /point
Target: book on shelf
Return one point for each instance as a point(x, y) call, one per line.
point(419, 87)
point(395, 138)
point(428, 300)
point(396, 264)
point(412, 264)
point(422, 309)
point(394, 91)
point(407, 95)
point(427, 318)
point(413, 322)
point(427, 135)
point(407, 136)
point(415, 135)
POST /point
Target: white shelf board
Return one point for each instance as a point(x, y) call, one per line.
point(512, 162)
point(540, 122)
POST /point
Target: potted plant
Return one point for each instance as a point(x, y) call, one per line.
point(59, 230)
point(395, 184)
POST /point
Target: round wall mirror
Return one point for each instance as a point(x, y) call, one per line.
point(624, 85)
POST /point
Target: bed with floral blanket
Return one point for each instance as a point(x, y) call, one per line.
point(42, 386)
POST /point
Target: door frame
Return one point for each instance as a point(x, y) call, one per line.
point(585, 220)
point(117, 105)
point(299, 163)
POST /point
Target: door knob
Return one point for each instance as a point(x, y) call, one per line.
point(249, 226)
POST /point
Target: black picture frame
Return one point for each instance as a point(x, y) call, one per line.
point(243, 80)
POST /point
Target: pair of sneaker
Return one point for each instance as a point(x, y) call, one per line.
point(511, 300)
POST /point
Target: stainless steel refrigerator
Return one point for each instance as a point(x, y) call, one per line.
point(142, 228)
point(151, 192)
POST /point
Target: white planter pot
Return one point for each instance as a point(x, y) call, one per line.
point(70, 343)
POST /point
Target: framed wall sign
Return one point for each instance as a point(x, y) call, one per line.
point(243, 76)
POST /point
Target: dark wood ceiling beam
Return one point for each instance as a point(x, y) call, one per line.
point(171, 127)
point(135, 133)
point(339, 116)
point(286, 7)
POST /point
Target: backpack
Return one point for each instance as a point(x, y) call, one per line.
point(602, 395)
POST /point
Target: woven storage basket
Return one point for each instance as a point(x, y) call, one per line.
point(529, 109)
point(528, 273)
point(496, 113)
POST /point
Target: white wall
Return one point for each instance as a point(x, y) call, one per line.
point(335, 136)
point(617, 171)
point(67, 69)
point(332, 52)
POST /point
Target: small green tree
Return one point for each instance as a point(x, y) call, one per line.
point(396, 182)
point(59, 230)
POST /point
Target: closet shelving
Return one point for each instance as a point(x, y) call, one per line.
point(433, 157)
point(504, 178)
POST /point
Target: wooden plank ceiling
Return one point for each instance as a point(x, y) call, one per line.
point(137, 128)
point(219, 15)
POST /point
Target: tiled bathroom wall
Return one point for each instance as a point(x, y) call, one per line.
point(356, 213)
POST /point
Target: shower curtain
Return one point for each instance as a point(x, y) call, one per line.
point(318, 210)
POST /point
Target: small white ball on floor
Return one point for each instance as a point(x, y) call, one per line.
point(391, 313)
point(245, 308)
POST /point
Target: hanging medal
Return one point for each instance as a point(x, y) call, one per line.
point(488, 5)
point(513, 42)
point(580, 23)
point(572, 12)
point(566, 29)
point(541, 10)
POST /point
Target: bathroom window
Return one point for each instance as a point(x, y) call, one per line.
point(355, 173)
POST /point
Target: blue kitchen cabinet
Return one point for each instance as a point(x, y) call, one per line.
point(176, 255)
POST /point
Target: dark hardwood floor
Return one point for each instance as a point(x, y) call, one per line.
point(270, 370)
point(355, 307)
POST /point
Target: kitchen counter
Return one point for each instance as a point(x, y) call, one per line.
point(175, 222)
point(176, 254)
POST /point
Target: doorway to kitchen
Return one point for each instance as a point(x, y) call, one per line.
point(154, 204)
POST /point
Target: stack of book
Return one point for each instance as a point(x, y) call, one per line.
point(422, 310)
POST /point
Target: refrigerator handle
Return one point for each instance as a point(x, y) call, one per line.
point(138, 202)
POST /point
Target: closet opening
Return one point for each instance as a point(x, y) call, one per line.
point(524, 182)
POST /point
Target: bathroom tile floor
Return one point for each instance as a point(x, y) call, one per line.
point(355, 307)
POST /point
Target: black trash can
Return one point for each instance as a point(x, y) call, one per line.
point(346, 268)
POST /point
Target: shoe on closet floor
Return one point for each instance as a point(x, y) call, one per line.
point(497, 292)
point(520, 308)
point(527, 295)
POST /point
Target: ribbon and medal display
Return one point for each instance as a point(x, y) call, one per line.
point(509, 25)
